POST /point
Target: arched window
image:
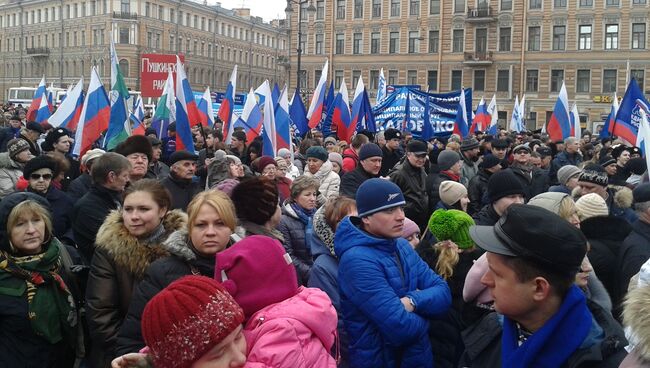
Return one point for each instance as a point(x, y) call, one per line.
point(124, 68)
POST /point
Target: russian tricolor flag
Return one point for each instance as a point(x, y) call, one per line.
point(68, 113)
point(346, 133)
point(574, 115)
point(606, 130)
point(94, 115)
point(559, 126)
point(206, 114)
point(461, 126)
point(137, 118)
point(43, 112)
point(269, 138)
point(315, 112)
point(482, 118)
point(282, 129)
point(41, 93)
point(187, 114)
point(251, 117)
point(341, 110)
point(227, 107)
point(492, 110)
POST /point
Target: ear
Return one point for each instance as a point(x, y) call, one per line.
point(542, 289)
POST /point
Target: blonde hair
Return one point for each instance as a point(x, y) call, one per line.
point(453, 146)
point(567, 208)
point(448, 257)
point(217, 200)
point(29, 207)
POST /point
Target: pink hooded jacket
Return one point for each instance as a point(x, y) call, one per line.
point(297, 332)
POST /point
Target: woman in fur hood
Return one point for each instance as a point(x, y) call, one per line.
point(127, 242)
point(636, 320)
point(192, 251)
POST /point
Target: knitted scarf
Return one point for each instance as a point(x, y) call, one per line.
point(451, 175)
point(554, 343)
point(52, 310)
point(303, 214)
point(323, 230)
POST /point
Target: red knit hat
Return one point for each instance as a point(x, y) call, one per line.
point(257, 272)
point(187, 319)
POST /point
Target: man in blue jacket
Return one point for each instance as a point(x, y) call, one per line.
point(387, 291)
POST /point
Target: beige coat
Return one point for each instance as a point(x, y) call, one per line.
point(329, 182)
point(10, 171)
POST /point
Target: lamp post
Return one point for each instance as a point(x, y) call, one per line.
point(311, 9)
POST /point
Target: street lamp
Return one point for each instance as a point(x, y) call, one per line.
point(311, 9)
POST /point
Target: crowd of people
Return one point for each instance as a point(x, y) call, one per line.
point(385, 251)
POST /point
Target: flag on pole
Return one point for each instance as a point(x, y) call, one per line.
point(186, 113)
point(227, 107)
point(606, 130)
point(206, 114)
point(282, 122)
point(137, 118)
point(119, 127)
point(366, 118)
point(329, 97)
point(67, 115)
point(315, 112)
point(340, 110)
point(494, 116)
point(251, 118)
point(482, 118)
point(298, 115)
point(643, 136)
point(381, 87)
point(517, 121)
point(576, 129)
point(43, 112)
point(357, 114)
point(165, 111)
point(427, 128)
point(559, 125)
point(94, 115)
point(275, 94)
point(269, 138)
point(461, 126)
point(40, 94)
point(628, 113)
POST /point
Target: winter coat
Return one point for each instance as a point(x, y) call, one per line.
point(157, 170)
point(350, 160)
point(61, 206)
point(182, 191)
point(329, 182)
point(476, 190)
point(88, 214)
point(374, 273)
point(619, 202)
point(559, 189)
point(20, 346)
point(284, 188)
point(183, 260)
point(562, 159)
point(297, 332)
point(433, 188)
point(34, 148)
point(389, 160)
point(487, 216)
point(412, 181)
point(73, 172)
point(633, 254)
point(606, 235)
point(10, 171)
point(218, 171)
point(324, 272)
point(79, 187)
point(293, 232)
point(6, 134)
point(483, 343)
point(532, 181)
point(351, 181)
point(119, 263)
point(637, 327)
point(468, 170)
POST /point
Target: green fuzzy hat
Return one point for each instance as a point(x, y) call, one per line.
point(452, 225)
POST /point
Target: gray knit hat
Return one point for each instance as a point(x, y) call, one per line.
point(565, 173)
point(447, 159)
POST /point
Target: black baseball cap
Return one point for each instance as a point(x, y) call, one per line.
point(417, 147)
point(536, 235)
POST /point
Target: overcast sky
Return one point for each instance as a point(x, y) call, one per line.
point(267, 9)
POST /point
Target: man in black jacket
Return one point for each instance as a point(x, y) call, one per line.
point(392, 152)
point(478, 185)
point(526, 173)
point(533, 257)
point(110, 175)
point(411, 178)
point(179, 181)
point(370, 158)
point(503, 191)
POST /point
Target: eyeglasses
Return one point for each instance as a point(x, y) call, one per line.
point(38, 176)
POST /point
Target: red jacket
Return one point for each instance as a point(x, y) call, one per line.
point(350, 159)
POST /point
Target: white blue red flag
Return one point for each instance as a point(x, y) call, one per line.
point(461, 126)
point(68, 113)
point(559, 125)
point(40, 94)
point(94, 117)
point(251, 118)
point(206, 114)
point(315, 112)
point(187, 114)
point(358, 115)
point(227, 107)
point(269, 138)
point(282, 122)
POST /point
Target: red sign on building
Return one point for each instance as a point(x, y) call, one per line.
point(153, 72)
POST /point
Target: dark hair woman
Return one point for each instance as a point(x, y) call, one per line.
point(127, 242)
point(38, 294)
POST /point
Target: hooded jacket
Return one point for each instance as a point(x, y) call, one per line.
point(297, 332)
point(293, 232)
point(350, 160)
point(619, 202)
point(374, 273)
point(412, 181)
point(119, 263)
point(10, 171)
point(329, 182)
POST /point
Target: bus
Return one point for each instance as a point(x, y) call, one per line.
point(24, 95)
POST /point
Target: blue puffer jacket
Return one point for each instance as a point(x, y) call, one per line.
point(374, 273)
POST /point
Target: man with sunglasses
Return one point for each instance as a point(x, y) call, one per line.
point(411, 178)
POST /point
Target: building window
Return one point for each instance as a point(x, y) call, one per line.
point(535, 4)
point(432, 80)
point(340, 43)
point(320, 9)
point(376, 8)
point(639, 75)
point(479, 80)
point(459, 6)
point(458, 43)
point(611, 37)
point(503, 80)
point(506, 4)
point(394, 8)
point(356, 74)
point(584, 37)
point(557, 77)
point(125, 6)
point(338, 78)
point(358, 8)
point(638, 2)
point(414, 7)
point(433, 42)
point(434, 9)
point(559, 4)
point(613, 3)
point(375, 42)
point(393, 44)
point(559, 36)
point(534, 38)
point(480, 40)
point(124, 68)
point(456, 79)
point(124, 35)
point(356, 43)
point(609, 80)
point(340, 9)
point(638, 36)
point(532, 80)
point(374, 79)
point(147, 9)
point(393, 76)
point(586, 3)
point(504, 39)
point(414, 42)
point(412, 77)
point(318, 49)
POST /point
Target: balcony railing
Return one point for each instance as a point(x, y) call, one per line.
point(38, 51)
point(478, 58)
point(124, 15)
point(480, 14)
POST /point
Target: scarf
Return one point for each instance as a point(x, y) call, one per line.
point(156, 237)
point(303, 214)
point(323, 230)
point(554, 343)
point(451, 175)
point(52, 310)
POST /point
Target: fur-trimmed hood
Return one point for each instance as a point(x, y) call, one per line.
point(178, 244)
point(132, 253)
point(622, 196)
point(7, 163)
point(637, 320)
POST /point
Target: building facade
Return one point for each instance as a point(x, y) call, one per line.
point(63, 39)
point(501, 47)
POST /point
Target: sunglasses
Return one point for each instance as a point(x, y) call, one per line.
point(38, 176)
